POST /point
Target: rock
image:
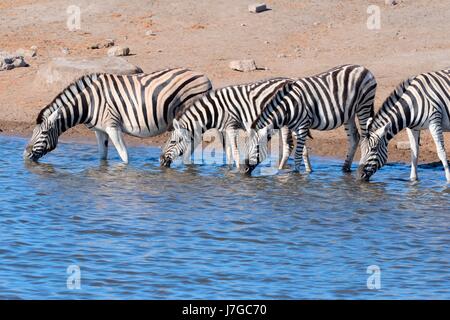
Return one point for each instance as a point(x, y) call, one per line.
point(281, 55)
point(150, 33)
point(32, 52)
point(65, 51)
point(390, 2)
point(243, 65)
point(108, 43)
point(403, 145)
point(118, 51)
point(257, 7)
point(9, 62)
point(19, 62)
point(59, 72)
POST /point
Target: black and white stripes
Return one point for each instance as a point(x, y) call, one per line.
point(140, 105)
point(322, 102)
point(420, 102)
point(227, 109)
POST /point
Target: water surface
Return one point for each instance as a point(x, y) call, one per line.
point(203, 231)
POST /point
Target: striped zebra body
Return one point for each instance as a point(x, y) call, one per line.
point(418, 103)
point(140, 105)
point(322, 102)
point(228, 109)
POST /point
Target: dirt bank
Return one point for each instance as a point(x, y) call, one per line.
point(293, 39)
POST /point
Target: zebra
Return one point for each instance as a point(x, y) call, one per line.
point(228, 110)
point(322, 102)
point(141, 105)
point(418, 103)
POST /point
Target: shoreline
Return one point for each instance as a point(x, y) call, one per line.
point(330, 144)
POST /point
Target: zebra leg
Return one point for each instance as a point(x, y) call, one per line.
point(287, 146)
point(414, 136)
point(102, 141)
point(300, 136)
point(438, 137)
point(117, 138)
point(308, 167)
point(353, 140)
point(305, 156)
point(228, 153)
point(232, 136)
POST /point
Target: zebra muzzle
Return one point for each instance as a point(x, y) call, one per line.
point(247, 168)
point(165, 161)
point(364, 174)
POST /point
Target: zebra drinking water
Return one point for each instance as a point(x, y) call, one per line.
point(322, 102)
point(418, 103)
point(227, 109)
point(140, 105)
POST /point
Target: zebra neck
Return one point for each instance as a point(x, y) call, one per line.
point(201, 117)
point(274, 114)
point(398, 115)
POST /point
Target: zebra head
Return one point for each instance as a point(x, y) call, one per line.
point(176, 146)
point(374, 151)
point(256, 150)
point(45, 137)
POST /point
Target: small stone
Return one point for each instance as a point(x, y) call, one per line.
point(118, 51)
point(243, 25)
point(94, 46)
point(403, 145)
point(257, 7)
point(390, 2)
point(150, 33)
point(19, 62)
point(9, 62)
point(109, 43)
point(26, 53)
point(65, 51)
point(106, 44)
point(281, 55)
point(317, 23)
point(266, 42)
point(243, 65)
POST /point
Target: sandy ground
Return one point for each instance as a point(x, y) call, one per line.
point(294, 38)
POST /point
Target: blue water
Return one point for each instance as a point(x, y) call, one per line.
point(203, 231)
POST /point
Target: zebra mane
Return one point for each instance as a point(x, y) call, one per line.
point(392, 99)
point(50, 108)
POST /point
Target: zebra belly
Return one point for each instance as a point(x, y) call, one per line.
point(142, 132)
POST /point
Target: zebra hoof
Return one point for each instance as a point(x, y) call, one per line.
point(346, 169)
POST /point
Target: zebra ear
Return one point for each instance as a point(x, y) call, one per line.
point(176, 124)
point(384, 130)
point(55, 116)
point(366, 131)
point(369, 123)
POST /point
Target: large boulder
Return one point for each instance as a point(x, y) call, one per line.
point(60, 72)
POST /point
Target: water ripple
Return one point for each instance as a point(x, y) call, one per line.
point(203, 231)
